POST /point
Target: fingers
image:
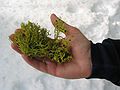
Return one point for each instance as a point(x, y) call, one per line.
point(54, 18)
point(51, 67)
point(11, 37)
point(15, 47)
point(36, 64)
point(46, 66)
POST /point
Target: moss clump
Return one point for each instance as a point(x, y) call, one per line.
point(33, 41)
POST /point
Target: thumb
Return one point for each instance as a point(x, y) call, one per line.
point(69, 29)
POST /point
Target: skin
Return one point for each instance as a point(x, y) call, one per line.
point(79, 67)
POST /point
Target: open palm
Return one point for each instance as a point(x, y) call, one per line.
point(79, 67)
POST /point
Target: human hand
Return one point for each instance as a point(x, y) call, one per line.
point(79, 67)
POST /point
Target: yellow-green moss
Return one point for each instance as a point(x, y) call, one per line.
point(33, 41)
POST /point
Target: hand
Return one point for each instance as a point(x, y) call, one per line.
point(79, 67)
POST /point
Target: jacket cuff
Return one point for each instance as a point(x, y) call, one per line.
point(97, 67)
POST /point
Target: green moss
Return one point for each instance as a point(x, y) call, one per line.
point(33, 41)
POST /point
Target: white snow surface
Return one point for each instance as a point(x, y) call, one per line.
point(97, 20)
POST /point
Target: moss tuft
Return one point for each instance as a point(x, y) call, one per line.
point(33, 41)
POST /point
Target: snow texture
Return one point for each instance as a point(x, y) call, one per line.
point(97, 20)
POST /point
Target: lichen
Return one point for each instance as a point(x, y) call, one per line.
point(33, 41)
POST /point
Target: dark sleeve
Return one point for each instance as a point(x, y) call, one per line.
point(106, 60)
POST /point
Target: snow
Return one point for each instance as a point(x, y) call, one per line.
point(97, 20)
